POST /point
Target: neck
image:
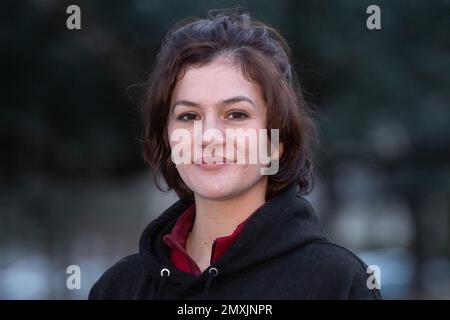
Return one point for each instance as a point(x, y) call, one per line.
point(215, 219)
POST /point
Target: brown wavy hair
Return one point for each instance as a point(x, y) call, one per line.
point(264, 58)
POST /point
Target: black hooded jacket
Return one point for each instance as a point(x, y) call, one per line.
point(282, 253)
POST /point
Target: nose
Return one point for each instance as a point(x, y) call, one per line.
point(213, 131)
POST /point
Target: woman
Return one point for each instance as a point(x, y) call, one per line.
point(237, 232)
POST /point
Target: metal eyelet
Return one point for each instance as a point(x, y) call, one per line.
point(165, 270)
point(213, 271)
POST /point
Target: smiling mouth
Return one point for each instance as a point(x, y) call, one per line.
point(216, 161)
point(213, 164)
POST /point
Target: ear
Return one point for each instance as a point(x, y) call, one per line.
point(279, 151)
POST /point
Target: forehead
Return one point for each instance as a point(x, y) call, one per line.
point(217, 80)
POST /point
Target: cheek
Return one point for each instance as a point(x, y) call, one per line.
point(181, 144)
point(185, 172)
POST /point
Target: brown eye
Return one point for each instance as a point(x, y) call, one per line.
point(187, 117)
point(237, 115)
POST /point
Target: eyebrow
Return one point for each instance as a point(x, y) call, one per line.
point(228, 101)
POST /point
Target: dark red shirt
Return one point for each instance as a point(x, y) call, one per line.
point(177, 238)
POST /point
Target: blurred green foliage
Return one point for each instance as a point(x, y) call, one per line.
point(69, 104)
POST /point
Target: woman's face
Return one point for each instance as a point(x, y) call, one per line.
point(216, 96)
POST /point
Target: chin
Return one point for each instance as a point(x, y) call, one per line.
point(222, 184)
point(220, 190)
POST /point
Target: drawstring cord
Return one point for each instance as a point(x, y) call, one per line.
point(165, 273)
point(212, 273)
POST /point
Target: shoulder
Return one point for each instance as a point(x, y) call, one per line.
point(343, 273)
point(120, 281)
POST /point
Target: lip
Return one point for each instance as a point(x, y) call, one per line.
point(213, 164)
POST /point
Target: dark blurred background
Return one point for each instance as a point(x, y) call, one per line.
point(75, 190)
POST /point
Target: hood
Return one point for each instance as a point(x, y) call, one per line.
point(284, 223)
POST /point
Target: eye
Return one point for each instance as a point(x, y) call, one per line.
point(187, 116)
point(237, 115)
